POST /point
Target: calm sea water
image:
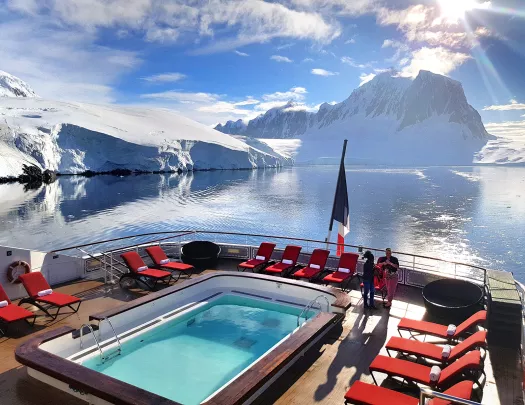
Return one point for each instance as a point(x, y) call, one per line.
point(470, 214)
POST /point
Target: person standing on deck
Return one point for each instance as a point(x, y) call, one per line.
point(368, 280)
point(390, 264)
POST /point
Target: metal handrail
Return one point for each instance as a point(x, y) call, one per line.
point(105, 257)
point(188, 232)
point(310, 305)
point(114, 333)
point(94, 338)
point(427, 393)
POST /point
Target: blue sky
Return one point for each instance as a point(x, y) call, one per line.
point(214, 60)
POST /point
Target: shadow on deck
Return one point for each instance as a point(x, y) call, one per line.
point(322, 376)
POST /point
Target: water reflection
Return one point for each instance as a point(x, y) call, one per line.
point(466, 214)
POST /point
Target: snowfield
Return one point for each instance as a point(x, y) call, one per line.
point(390, 120)
point(75, 137)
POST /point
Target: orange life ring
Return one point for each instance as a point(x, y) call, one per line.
point(16, 269)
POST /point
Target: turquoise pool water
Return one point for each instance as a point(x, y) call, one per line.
point(189, 358)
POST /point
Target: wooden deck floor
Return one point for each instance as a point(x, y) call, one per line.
point(322, 376)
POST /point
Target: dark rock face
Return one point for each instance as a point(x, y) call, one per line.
point(410, 102)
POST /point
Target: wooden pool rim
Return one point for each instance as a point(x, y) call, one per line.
point(84, 380)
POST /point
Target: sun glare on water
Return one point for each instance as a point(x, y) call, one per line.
point(455, 10)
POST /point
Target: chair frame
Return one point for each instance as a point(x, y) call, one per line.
point(45, 307)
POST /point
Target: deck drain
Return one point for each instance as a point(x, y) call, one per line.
point(244, 343)
point(271, 322)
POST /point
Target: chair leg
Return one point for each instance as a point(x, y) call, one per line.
point(31, 301)
point(372, 374)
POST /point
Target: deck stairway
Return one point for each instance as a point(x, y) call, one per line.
point(505, 310)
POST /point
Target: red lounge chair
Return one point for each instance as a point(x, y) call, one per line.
point(12, 313)
point(35, 283)
point(346, 261)
point(264, 253)
point(428, 328)
point(135, 264)
point(411, 347)
point(468, 367)
point(290, 255)
point(379, 283)
point(161, 260)
point(315, 265)
point(367, 394)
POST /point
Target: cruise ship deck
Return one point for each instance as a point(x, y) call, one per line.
point(322, 376)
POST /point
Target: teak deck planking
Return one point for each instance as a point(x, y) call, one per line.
point(322, 376)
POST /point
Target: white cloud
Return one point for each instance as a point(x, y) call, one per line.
point(183, 97)
point(365, 78)
point(322, 72)
point(513, 106)
point(165, 77)
point(279, 58)
point(437, 60)
point(229, 23)
point(63, 65)
point(307, 60)
point(241, 53)
point(295, 94)
point(350, 41)
point(351, 62)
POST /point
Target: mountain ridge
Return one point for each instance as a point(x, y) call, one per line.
point(386, 94)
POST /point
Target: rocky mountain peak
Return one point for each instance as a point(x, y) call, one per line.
point(12, 86)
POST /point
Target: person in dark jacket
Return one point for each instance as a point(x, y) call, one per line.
point(368, 280)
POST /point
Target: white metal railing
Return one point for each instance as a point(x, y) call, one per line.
point(309, 306)
point(411, 264)
point(427, 393)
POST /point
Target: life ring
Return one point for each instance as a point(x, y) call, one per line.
point(16, 269)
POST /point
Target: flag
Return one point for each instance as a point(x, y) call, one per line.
point(341, 212)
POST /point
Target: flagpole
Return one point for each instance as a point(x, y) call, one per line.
point(335, 194)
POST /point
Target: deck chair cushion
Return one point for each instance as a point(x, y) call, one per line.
point(367, 394)
point(58, 299)
point(12, 313)
point(34, 283)
point(278, 267)
point(177, 266)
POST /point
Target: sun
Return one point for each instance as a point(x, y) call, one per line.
point(455, 10)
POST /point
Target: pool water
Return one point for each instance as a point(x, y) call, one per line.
point(189, 358)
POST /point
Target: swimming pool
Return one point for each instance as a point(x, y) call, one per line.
point(221, 338)
point(190, 357)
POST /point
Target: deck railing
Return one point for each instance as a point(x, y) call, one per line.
point(416, 269)
point(427, 393)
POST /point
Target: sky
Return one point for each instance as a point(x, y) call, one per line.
point(215, 60)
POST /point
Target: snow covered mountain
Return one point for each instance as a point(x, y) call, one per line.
point(11, 86)
point(389, 120)
point(74, 137)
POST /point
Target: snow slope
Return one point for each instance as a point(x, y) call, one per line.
point(390, 120)
point(11, 86)
point(74, 137)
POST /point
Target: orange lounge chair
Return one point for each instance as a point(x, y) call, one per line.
point(468, 367)
point(162, 261)
point(361, 393)
point(264, 253)
point(43, 297)
point(288, 261)
point(10, 313)
point(142, 273)
point(415, 327)
point(346, 270)
point(379, 284)
point(315, 266)
point(429, 351)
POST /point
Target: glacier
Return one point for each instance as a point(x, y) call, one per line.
point(390, 120)
point(72, 138)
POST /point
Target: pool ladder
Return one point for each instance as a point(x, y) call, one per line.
point(309, 306)
point(103, 357)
